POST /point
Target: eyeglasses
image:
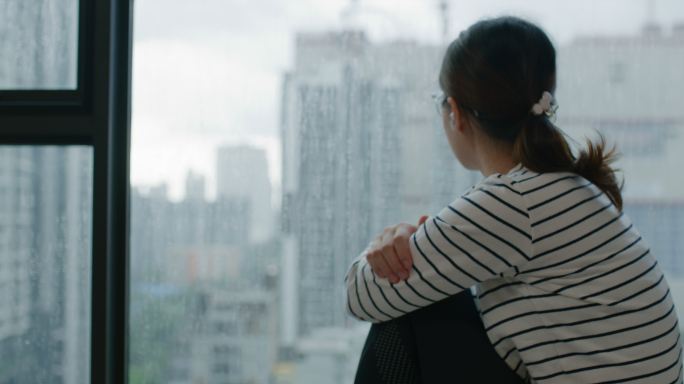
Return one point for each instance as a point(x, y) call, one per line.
point(440, 100)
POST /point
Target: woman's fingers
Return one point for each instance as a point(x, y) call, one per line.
point(398, 250)
point(376, 260)
point(378, 264)
point(422, 220)
point(390, 256)
point(401, 246)
point(390, 253)
point(397, 271)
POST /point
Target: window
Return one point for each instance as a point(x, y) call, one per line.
point(39, 44)
point(270, 141)
point(45, 258)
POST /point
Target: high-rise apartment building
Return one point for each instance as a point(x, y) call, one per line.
point(628, 88)
point(242, 173)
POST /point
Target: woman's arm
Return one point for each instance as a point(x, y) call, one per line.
point(482, 235)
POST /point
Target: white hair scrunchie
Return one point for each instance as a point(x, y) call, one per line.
point(546, 105)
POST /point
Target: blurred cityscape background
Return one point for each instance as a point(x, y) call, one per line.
point(237, 275)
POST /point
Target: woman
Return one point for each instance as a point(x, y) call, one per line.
point(566, 289)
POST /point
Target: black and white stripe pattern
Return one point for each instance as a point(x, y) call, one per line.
point(567, 288)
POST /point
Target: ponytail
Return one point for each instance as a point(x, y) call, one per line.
point(541, 147)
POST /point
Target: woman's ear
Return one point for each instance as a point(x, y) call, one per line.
point(455, 116)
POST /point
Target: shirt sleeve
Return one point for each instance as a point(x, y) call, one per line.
point(482, 235)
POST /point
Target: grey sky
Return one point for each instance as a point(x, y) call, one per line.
point(208, 72)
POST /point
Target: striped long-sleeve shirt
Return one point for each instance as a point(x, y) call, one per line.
point(567, 289)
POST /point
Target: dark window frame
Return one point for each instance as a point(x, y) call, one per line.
point(96, 114)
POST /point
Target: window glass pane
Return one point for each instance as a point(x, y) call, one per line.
point(38, 44)
point(264, 159)
point(45, 264)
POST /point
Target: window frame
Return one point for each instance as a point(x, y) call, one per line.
point(97, 114)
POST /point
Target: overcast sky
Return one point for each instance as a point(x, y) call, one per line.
point(208, 72)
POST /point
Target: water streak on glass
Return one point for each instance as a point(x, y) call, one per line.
point(45, 264)
point(38, 44)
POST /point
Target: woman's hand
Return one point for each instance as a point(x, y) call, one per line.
point(389, 254)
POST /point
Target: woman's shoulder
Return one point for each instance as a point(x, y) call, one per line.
point(531, 189)
point(526, 181)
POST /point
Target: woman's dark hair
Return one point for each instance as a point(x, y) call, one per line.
point(496, 70)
